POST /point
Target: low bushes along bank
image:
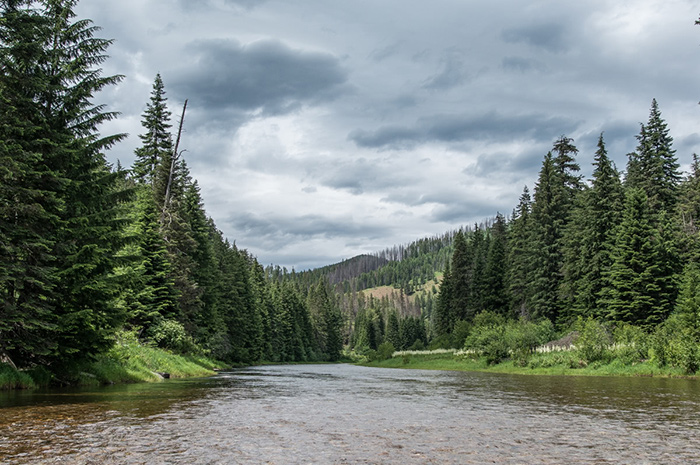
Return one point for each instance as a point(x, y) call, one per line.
point(128, 361)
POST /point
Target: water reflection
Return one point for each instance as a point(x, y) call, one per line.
point(346, 414)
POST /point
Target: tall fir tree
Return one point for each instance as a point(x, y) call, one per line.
point(30, 206)
point(156, 142)
point(519, 257)
point(641, 288)
point(653, 167)
point(547, 221)
point(462, 281)
point(90, 218)
point(590, 238)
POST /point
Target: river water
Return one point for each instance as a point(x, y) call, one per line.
point(344, 414)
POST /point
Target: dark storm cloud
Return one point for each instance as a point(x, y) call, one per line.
point(266, 76)
point(549, 36)
point(460, 128)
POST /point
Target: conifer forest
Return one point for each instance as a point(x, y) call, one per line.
point(90, 251)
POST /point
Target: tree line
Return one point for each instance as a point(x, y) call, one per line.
point(619, 249)
point(88, 249)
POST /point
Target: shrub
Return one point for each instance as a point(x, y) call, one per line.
point(674, 344)
point(385, 350)
point(170, 334)
point(631, 344)
point(594, 340)
point(497, 339)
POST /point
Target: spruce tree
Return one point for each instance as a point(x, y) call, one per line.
point(520, 251)
point(653, 167)
point(462, 281)
point(157, 140)
point(29, 203)
point(495, 296)
point(641, 288)
point(590, 238)
point(547, 215)
point(61, 67)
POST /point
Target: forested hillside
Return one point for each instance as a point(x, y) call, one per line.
point(90, 250)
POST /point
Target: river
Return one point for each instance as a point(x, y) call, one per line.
point(344, 414)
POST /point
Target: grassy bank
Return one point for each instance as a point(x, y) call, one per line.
point(552, 363)
point(128, 361)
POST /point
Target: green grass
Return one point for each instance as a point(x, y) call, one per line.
point(15, 379)
point(554, 363)
point(128, 361)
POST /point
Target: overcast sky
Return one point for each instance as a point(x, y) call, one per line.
point(319, 130)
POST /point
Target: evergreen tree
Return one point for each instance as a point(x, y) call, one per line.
point(29, 201)
point(654, 167)
point(547, 220)
point(392, 329)
point(90, 231)
point(442, 314)
point(590, 238)
point(459, 308)
point(519, 257)
point(641, 289)
point(688, 212)
point(495, 295)
point(157, 140)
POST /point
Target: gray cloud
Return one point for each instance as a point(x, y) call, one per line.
point(319, 130)
point(548, 36)
point(266, 76)
point(278, 230)
point(522, 65)
point(456, 128)
point(452, 73)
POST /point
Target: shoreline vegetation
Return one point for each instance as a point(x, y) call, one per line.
point(556, 363)
point(128, 361)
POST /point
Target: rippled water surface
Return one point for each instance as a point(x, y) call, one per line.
point(336, 414)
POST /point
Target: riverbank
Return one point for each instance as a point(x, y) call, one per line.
point(551, 363)
point(128, 361)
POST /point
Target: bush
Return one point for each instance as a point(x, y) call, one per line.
point(631, 344)
point(594, 340)
point(498, 339)
point(170, 334)
point(674, 344)
point(385, 350)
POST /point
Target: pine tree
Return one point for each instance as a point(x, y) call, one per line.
point(590, 238)
point(654, 167)
point(442, 315)
point(29, 204)
point(66, 71)
point(157, 140)
point(688, 212)
point(547, 222)
point(641, 288)
point(462, 281)
point(519, 257)
point(495, 297)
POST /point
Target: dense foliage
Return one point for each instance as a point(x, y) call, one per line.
point(89, 251)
